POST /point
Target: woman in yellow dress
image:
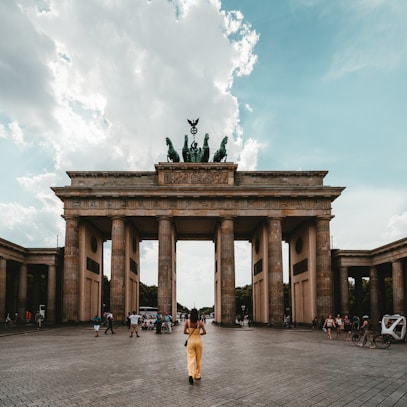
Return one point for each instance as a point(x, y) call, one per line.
point(194, 329)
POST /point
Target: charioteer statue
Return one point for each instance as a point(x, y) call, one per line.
point(193, 153)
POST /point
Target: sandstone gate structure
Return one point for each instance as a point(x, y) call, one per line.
point(199, 201)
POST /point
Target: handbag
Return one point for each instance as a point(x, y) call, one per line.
point(186, 342)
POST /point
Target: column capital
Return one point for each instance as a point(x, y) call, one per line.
point(70, 217)
point(271, 218)
point(164, 217)
point(232, 218)
point(117, 217)
point(325, 217)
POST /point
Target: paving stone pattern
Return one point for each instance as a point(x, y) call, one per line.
point(241, 367)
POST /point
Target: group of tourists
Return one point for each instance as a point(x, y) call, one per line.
point(163, 323)
point(343, 327)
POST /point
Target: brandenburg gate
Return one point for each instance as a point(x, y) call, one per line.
point(199, 201)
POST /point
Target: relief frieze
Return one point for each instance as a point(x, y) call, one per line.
point(196, 177)
point(160, 203)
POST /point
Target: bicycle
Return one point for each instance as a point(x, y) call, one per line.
point(380, 341)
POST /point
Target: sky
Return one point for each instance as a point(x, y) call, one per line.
point(294, 84)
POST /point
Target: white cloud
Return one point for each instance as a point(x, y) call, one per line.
point(3, 132)
point(397, 226)
point(34, 227)
point(99, 86)
point(248, 155)
point(248, 108)
point(16, 133)
point(365, 217)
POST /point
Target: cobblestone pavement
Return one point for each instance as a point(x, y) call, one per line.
point(241, 367)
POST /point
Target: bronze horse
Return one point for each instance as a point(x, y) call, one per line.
point(172, 154)
point(221, 153)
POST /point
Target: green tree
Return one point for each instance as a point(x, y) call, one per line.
point(148, 295)
point(244, 298)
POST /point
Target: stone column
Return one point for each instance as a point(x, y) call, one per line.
point(275, 272)
point(323, 268)
point(165, 262)
point(22, 291)
point(374, 296)
point(344, 291)
point(51, 295)
point(71, 271)
point(3, 271)
point(358, 295)
point(227, 272)
point(398, 287)
point(117, 286)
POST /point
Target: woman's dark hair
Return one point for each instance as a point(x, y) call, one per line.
point(194, 315)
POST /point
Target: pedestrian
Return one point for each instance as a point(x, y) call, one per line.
point(109, 323)
point(128, 323)
point(168, 322)
point(96, 324)
point(339, 326)
point(328, 325)
point(315, 323)
point(366, 331)
point(158, 322)
point(38, 319)
point(28, 316)
point(134, 320)
point(194, 328)
point(347, 327)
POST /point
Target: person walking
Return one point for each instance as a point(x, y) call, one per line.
point(96, 324)
point(347, 325)
point(366, 332)
point(134, 320)
point(158, 322)
point(194, 329)
point(109, 323)
point(339, 326)
point(168, 322)
point(329, 324)
point(38, 319)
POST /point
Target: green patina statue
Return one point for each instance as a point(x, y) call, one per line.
point(193, 153)
point(172, 154)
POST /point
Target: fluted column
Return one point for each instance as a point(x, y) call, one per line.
point(165, 262)
point(323, 268)
point(358, 295)
point(398, 287)
point(344, 290)
point(275, 272)
point(22, 291)
point(71, 270)
point(227, 272)
point(51, 295)
point(374, 296)
point(3, 270)
point(117, 286)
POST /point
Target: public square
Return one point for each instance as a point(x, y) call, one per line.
point(249, 366)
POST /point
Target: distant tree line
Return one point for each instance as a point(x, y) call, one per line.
point(149, 298)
